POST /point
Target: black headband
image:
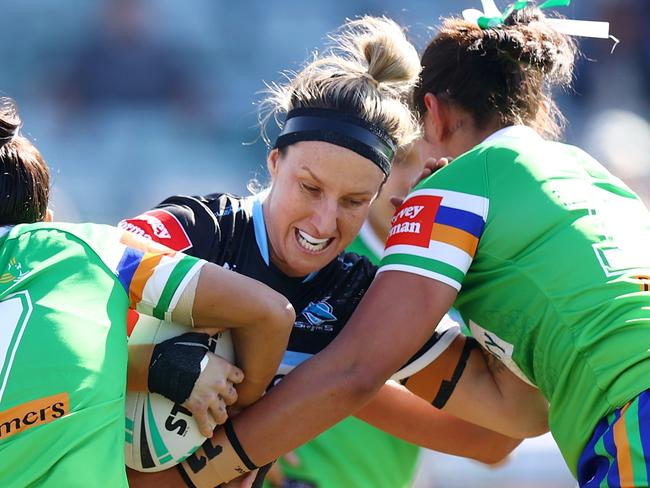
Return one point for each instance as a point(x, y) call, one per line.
point(340, 128)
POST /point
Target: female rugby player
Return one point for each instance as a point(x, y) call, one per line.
point(550, 250)
point(354, 453)
point(64, 293)
point(344, 119)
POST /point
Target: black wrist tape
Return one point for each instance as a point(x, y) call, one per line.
point(176, 365)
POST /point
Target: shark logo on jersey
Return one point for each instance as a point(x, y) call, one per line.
point(316, 316)
point(14, 272)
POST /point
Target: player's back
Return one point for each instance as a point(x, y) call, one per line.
point(63, 357)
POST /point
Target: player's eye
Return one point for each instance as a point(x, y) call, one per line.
point(355, 203)
point(312, 190)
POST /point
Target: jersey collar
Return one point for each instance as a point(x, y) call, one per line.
point(261, 237)
point(513, 132)
point(259, 226)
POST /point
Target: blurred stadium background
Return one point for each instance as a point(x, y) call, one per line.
point(131, 101)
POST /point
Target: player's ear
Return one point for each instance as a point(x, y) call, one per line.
point(436, 117)
point(49, 215)
point(272, 162)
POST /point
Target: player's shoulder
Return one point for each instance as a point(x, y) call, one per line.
point(85, 233)
point(67, 241)
point(192, 224)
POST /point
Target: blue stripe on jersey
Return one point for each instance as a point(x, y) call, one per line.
point(294, 358)
point(310, 276)
point(644, 428)
point(592, 468)
point(608, 439)
point(461, 219)
point(128, 264)
point(260, 229)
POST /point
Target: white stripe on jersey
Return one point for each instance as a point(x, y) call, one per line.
point(440, 251)
point(156, 283)
point(422, 272)
point(462, 201)
point(181, 287)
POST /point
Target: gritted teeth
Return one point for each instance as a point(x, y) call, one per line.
point(311, 243)
point(311, 239)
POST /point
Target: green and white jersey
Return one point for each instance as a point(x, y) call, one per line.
point(551, 257)
point(64, 294)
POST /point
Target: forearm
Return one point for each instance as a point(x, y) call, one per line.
point(344, 376)
point(401, 413)
point(260, 324)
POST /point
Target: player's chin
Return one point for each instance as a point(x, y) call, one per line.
point(305, 263)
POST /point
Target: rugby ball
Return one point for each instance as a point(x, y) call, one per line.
point(160, 433)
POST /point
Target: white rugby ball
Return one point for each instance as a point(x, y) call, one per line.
point(159, 432)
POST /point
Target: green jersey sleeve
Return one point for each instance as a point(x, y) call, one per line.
point(153, 276)
point(435, 232)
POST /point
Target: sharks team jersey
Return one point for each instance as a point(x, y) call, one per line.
point(550, 254)
point(64, 293)
point(230, 231)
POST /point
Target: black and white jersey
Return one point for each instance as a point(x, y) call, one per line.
point(230, 231)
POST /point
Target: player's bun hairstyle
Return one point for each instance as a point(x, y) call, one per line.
point(504, 73)
point(24, 176)
point(368, 71)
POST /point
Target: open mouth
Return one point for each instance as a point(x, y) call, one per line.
point(310, 243)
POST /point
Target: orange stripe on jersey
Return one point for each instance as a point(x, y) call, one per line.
point(625, 473)
point(426, 383)
point(140, 243)
point(142, 275)
point(454, 237)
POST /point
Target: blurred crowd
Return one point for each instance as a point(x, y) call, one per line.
point(131, 101)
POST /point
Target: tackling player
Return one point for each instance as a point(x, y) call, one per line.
point(542, 250)
point(64, 294)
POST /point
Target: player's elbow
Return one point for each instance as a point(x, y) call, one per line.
point(531, 419)
point(278, 314)
point(498, 451)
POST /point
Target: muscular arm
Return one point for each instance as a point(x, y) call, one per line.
point(260, 319)
point(260, 325)
point(403, 414)
point(392, 321)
